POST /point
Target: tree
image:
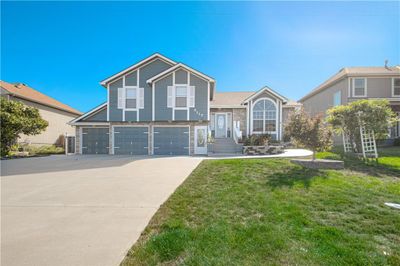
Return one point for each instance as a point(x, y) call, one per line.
point(374, 115)
point(308, 132)
point(16, 119)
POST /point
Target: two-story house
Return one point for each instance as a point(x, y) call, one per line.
point(355, 83)
point(161, 107)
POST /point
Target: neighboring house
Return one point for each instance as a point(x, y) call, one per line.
point(162, 107)
point(54, 112)
point(355, 83)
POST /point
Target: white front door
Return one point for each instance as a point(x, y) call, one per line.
point(220, 125)
point(200, 139)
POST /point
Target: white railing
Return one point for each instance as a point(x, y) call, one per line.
point(237, 134)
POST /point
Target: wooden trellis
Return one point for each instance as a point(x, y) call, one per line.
point(347, 145)
point(368, 143)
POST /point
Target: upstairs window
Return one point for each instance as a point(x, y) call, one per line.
point(181, 93)
point(359, 87)
point(130, 98)
point(396, 87)
point(337, 98)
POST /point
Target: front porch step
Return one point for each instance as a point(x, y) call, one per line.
point(226, 145)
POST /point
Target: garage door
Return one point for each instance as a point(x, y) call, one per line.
point(95, 140)
point(171, 140)
point(131, 140)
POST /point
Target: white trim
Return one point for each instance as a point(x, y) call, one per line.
point(251, 117)
point(365, 88)
point(153, 101)
point(247, 120)
point(280, 121)
point(113, 136)
point(276, 118)
point(394, 95)
point(208, 101)
point(176, 67)
point(139, 64)
point(108, 102)
point(72, 122)
point(188, 97)
point(152, 135)
point(91, 123)
point(80, 141)
point(137, 100)
point(123, 110)
point(173, 97)
point(137, 94)
point(284, 100)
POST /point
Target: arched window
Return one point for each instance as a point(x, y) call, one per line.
point(264, 116)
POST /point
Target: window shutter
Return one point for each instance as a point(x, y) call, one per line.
point(121, 98)
point(191, 96)
point(140, 97)
point(170, 96)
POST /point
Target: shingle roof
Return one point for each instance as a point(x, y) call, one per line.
point(235, 99)
point(25, 92)
point(354, 71)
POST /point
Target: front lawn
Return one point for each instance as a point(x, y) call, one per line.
point(270, 211)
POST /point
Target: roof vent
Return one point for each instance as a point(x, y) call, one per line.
point(386, 63)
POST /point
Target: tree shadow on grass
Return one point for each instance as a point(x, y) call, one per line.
point(370, 168)
point(296, 175)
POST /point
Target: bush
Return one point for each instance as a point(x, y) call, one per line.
point(396, 142)
point(257, 140)
point(41, 150)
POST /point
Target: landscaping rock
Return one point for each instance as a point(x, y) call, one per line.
point(262, 150)
point(319, 164)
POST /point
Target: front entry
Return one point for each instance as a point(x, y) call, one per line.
point(200, 139)
point(220, 125)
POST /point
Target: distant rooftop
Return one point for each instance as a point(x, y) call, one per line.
point(355, 71)
point(23, 91)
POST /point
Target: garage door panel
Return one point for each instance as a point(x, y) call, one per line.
point(95, 140)
point(171, 140)
point(131, 140)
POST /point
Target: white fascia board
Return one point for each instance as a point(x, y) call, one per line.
point(284, 100)
point(87, 114)
point(173, 68)
point(89, 123)
point(156, 55)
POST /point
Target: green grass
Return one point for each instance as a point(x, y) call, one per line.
point(272, 212)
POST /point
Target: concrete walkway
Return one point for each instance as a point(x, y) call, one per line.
point(288, 153)
point(81, 210)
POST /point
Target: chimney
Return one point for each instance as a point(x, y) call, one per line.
point(386, 63)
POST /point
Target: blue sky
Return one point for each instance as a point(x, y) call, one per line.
point(65, 49)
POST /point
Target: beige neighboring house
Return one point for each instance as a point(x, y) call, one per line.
point(355, 83)
point(54, 112)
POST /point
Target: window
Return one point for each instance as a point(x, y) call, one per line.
point(396, 87)
point(130, 98)
point(181, 96)
point(337, 98)
point(359, 87)
point(264, 116)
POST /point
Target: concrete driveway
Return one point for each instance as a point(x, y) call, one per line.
point(82, 210)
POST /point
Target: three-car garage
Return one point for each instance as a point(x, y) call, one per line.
point(136, 140)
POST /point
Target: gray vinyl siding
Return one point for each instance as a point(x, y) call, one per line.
point(180, 115)
point(181, 76)
point(115, 113)
point(322, 101)
point(131, 79)
point(100, 116)
point(162, 112)
point(376, 88)
point(201, 99)
point(130, 116)
point(145, 73)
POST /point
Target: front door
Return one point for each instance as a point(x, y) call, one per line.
point(220, 125)
point(200, 139)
